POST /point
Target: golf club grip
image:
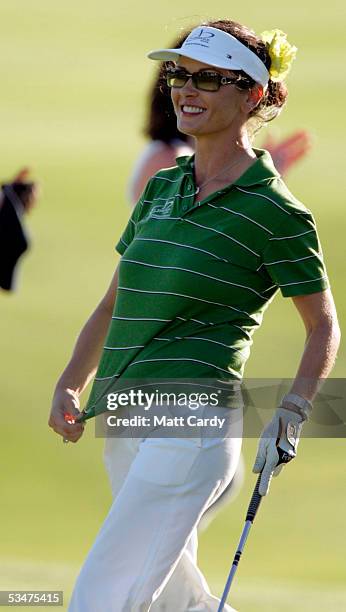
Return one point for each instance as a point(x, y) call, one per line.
point(254, 502)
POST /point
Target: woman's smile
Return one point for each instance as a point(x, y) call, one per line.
point(189, 109)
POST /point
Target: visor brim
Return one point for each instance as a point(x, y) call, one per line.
point(167, 55)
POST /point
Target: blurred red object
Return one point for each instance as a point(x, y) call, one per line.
point(69, 418)
point(288, 151)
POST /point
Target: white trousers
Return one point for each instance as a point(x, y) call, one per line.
point(145, 555)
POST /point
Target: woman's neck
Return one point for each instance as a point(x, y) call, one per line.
point(213, 154)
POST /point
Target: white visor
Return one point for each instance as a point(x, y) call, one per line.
point(219, 49)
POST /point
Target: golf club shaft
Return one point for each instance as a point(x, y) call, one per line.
point(250, 516)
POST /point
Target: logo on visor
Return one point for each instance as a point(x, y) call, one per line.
point(229, 56)
point(202, 36)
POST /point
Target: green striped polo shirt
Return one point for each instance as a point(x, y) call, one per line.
point(196, 278)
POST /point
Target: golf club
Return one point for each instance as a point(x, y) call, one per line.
point(250, 516)
point(284, 457)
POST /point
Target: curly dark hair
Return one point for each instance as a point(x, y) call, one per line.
point(161, 122)
point(275, 95)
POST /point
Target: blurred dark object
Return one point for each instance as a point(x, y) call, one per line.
point(16, 199)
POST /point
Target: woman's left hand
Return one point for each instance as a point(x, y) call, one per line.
point(277, 445)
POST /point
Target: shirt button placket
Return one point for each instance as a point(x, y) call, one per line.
point(185, 205)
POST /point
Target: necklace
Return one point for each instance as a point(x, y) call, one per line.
point(232, 165)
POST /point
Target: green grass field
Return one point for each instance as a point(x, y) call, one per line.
point(74, 80)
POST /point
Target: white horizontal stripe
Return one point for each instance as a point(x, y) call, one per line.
point(122, 348)
point(261, 195)
point(227, 323)
point(163, 178)
point(107, 378)
point(190, 297)
point(186, 246)
point(132, 221)
point(197, 338)
point(212, 229)
point(155, 216)
point(180, 359)
point(304, 281)
point(233, 212)
point(220, 280)
point(184, 383)
point(196, 321)
point(213, 341)
point(295, 236)
point(123, 241)
point(141, 319)
point(279, 261)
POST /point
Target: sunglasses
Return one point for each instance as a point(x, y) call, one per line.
point(205, 80)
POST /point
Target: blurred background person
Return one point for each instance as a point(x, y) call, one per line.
point(17, 198)
point(166, 143)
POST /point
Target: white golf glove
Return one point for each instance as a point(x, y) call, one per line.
point(277, 445)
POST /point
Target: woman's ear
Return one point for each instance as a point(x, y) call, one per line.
point(253, 98)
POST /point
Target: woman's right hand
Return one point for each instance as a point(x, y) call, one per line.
point(65, 402)
point(82, 367)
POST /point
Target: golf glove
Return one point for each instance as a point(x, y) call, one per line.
point(277, 445)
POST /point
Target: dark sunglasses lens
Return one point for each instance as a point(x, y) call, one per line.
point(207, 82)
point(176, 79)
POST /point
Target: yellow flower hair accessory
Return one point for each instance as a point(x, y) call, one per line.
point(281, 53)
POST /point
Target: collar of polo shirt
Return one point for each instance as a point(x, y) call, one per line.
point(262, 171)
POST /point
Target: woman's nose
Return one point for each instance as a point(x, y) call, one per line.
point(189, 86)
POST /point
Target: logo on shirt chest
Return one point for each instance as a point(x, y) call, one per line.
point(162, 211)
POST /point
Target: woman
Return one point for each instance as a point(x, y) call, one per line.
point(165, 145)
point(206, 249)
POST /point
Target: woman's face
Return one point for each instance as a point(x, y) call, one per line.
point(219, 111)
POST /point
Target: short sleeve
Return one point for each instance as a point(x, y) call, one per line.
point(130, 230)
point(293, 257)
